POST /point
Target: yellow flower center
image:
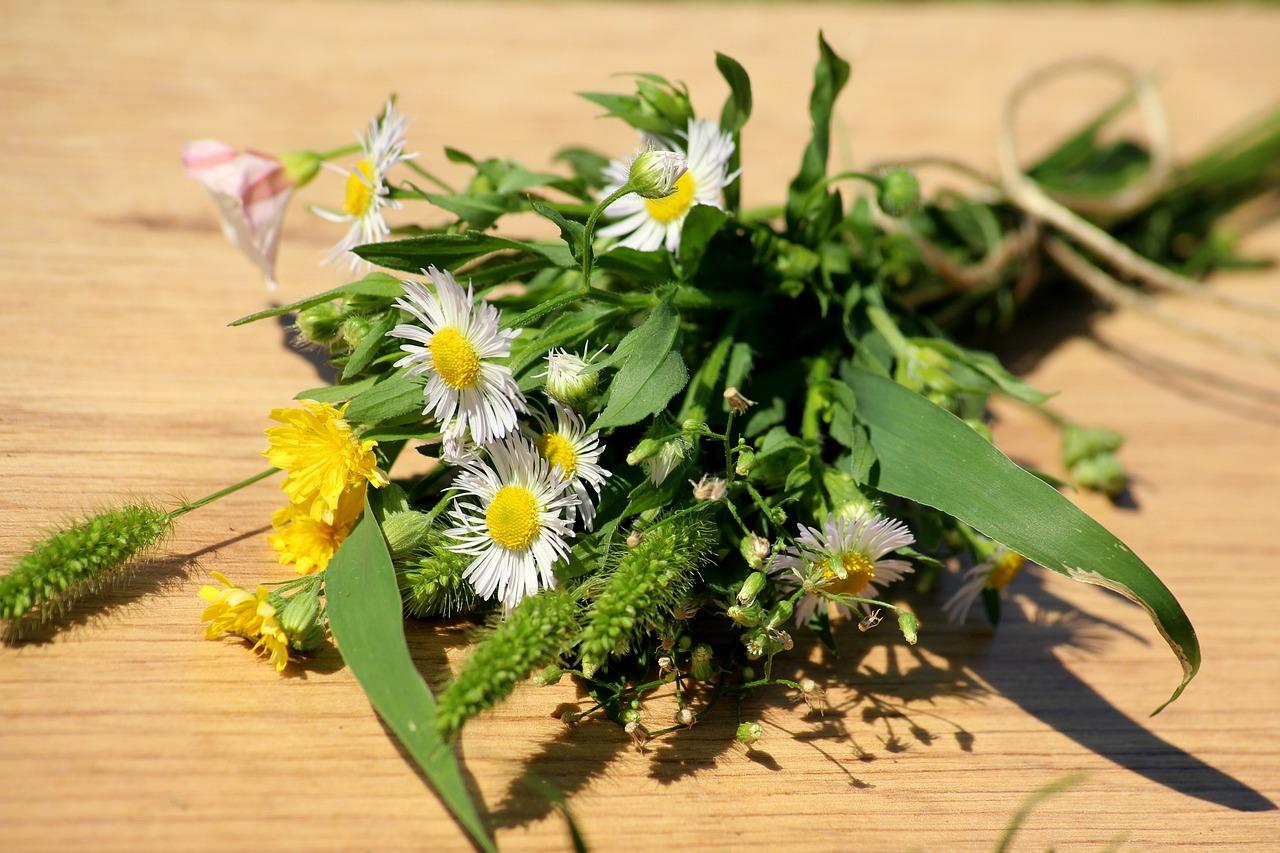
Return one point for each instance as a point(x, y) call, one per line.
point(359, 192)
point(669, 209)
point(455, 359)
point(1005, 570)
point(859, 571)
point(512, 518)
point(558, 450)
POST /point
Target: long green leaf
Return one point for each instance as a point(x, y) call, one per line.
point(374, 284)
point(366, 617)
point(829, 77)
point(928, 455)
point(449, 251)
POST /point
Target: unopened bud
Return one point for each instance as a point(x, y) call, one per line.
point(653, 173)
point(909, 625)
point(754, 550)
point(751, 587)
point(300, 617)
point(899, 192)
point(300, 166)
point(748, 617)
point(1080, 443)
point(406, 531)
point(749, 733)
point(781, 614)
point(319, 324)
point(746, 461)
point(1101, 473)
point(355, 329)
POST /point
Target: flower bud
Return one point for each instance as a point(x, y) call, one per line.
point(781, 614)
point(300, 617)
point(701, 662)
point(300, 166)
point(748, 617)
point(653, 173)
point(1080, 443)
point(749, 733)
point(319, 324)
point(406, 531)
point(686, 717)
point(1101, 473)
point(631, 715)
point(746, 461)
point(548, 676)
point(355, 329)
point(899, 192)
point(754, 550)
point(568, 379)
point(751, 587)
point(909, 625)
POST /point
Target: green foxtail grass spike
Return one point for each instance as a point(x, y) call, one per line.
point(432, 584)
point(78, 561)
point(648, 582)
point(532, 635)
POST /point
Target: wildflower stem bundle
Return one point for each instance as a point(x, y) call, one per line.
point(679, 438)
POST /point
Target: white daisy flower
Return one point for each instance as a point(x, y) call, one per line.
point(575, 453)
point(845, 557)
point(651, 223)
point(994, 573)
point(367, 191)
point(515, 527)
point(456, 347)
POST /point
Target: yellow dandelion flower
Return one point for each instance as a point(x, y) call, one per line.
point(322, 456)
point(307, 544)
point(233, 610)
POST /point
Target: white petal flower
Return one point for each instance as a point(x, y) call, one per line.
point(510, 516)
point(994, 573)
point(366, 190)
point(575, 453)
point(456, 344)
point(845, 557)
point(653, 172)
point(648, 224)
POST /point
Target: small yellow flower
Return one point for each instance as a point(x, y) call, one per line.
point(322, 456)
point(233, 610)
point(307, 544)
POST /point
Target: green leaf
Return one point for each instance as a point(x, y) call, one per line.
point(829, 77)
point(337, 393)
point(641, 266)
point(928, 455)
point(737, 108)
point(366, 617)
point(374, 284)
point(448, 251)
point(702, 223)
point(989, 366)
point(649, 378)
point(369, 345)
point(392, 398)
point(571, 232)
point(480, 210)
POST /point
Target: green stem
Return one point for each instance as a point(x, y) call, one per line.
point(430, 177)
point(341, 151)
point(822, 185)
point(590, 228)
point(762, 214)
point(221, 493)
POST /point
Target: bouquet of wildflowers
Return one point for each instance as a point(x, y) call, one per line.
point(668, 444)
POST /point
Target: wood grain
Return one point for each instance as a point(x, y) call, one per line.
point(130, 732)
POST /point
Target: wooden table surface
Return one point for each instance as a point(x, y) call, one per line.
point(130, 732)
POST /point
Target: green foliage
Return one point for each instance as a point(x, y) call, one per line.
point(532, 635)
point(79, 560)
point(433, 585)
point(648, 582)
point(376, 284)
point(364, 613)
point(651, 372)
point(830, 76)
